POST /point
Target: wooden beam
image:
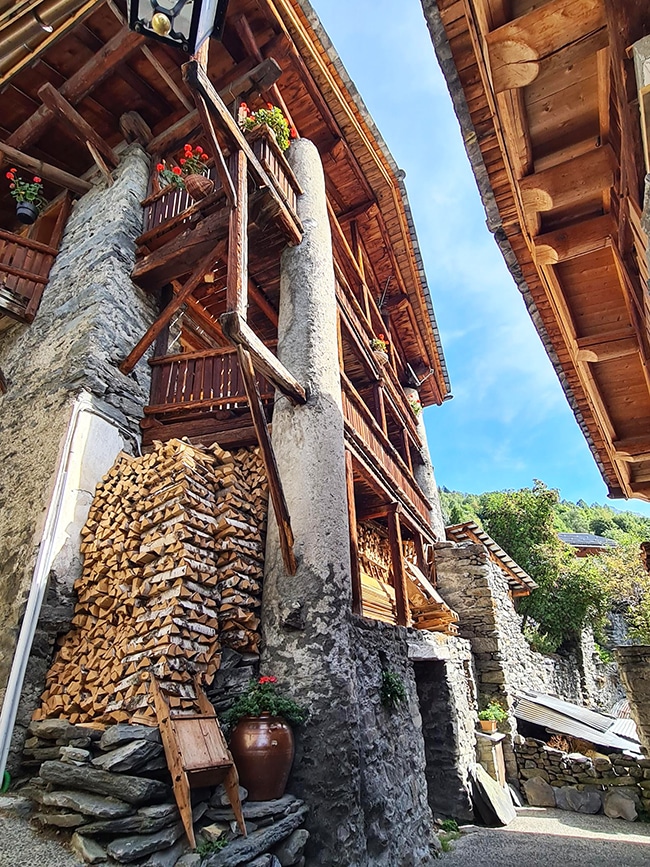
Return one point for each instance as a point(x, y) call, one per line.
point(219, 159)
point(604, 347)
point(45, 170)
point(268, 456)
point(632, 449)
point(575, 240)
point(515, 49)
point(166, 77)
point(397, 563)
point(202, 318)
point(355, 574)
point(197, 79)
point(570, 182)
point(193, 282)
point(73, 122)
point(241, 334)
point(79, 85)
point(237, 283)
point(262, 302)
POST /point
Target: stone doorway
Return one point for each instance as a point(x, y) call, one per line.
point(442, 733)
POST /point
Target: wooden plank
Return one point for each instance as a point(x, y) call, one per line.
point(73, 123)
point(237, 280)
point(515, 49)
point(273, 476)
point(606, 346)
point(45, 170)
point(219, 159)
point(355, 574)
point(241, 334)
point(397, 564)
point(258, 297)
point(193, 282)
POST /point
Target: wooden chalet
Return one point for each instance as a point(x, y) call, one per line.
point(546, 96)
point(76, 91)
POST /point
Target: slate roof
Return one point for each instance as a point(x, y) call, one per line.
point(587, 540)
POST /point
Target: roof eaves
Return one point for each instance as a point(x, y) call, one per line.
point(399, 174)
point(493, 221)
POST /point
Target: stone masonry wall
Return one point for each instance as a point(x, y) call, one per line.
point(90, 317)
point(634, 665)
point(477, 589)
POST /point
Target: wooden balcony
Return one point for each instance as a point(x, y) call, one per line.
point(200, 395)
point(24, 271)
point(374, 447)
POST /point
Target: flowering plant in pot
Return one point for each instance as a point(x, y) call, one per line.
point(189, 174)
point(28, 196)
point(262, 739)
point(379, 346)
point(491, 716)
point(270, 116)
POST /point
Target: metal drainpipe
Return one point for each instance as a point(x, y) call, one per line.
point(83, 404)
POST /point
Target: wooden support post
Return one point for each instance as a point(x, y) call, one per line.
point(193, 282)
point(380, 406)
point(357, 599)
point(515, 49)
point(575, 240)
point(74, 123)
point(237, 285)
point(275, 485)
point(568, 183)
point(99, 162)
point(45, 170)
point(423, 566)
point(241, 334)
point(397, 563)
point(219, 159)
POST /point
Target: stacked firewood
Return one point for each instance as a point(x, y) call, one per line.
point(173, 561)
point(378, 595)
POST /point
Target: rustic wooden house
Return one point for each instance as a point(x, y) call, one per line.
point(555, 123)
point(133, 315)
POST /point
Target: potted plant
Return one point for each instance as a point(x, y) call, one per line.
point(189, 174)
point(270, 116)
point(379, 346)
point(28, 196)
point(491, 716)
point(262, 742)
point(413, 399)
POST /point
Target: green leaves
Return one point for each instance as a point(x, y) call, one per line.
point(262, 696)
point(392, 691)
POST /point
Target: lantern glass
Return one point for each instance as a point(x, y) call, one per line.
point(184, 23)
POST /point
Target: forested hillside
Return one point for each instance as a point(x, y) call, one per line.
point(573, 592)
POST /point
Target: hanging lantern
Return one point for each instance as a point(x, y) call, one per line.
point(186, 23)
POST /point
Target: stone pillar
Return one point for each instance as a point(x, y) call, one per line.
point(306, 616)
point(424, 476)
point(634, 668)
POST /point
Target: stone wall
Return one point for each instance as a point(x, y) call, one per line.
point(90, 317)
point(474, 586)
point(634, 665)
point(585, 784)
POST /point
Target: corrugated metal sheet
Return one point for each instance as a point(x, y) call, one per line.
point(566, 718)
point(626, 728)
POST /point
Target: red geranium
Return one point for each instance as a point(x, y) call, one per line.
point(177, 170)
point(268, 680)
point(37, 180)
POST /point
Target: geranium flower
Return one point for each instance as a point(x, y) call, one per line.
point(160, 167)
point(37, 180)
point(176, 170)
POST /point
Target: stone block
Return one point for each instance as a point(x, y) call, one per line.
point(570, 798)
point(61, 820)
point(618, 805)
point(134, 790)
point(539, 793)
point(87, 803)
point(130, 756)
point(531, 773)
point(132, 848)
point(290, 850)
point(89, 851)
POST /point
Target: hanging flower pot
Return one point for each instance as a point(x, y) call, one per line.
point(379, 346)
point(263, 750)
point(380, 356)
point(198, 186)
point(27, 212)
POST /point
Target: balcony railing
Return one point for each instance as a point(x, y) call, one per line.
point(362, 428)
point(24, 271)
point(200, 382)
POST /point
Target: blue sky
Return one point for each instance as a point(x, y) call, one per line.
point(509, 421)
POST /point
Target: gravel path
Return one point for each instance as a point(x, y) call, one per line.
point(23, 846)
point(553, 838)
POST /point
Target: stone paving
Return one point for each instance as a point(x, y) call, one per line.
point(553, 838)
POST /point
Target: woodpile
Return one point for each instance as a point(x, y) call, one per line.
point(173, 561)
point(428, 608)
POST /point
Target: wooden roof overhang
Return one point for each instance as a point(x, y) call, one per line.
point(544, 93)
point(363, 181)
point(520, 582)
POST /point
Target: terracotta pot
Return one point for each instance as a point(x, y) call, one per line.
point(198, 186)
point(27, 212)
point(262, 747)
point(488, 725)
